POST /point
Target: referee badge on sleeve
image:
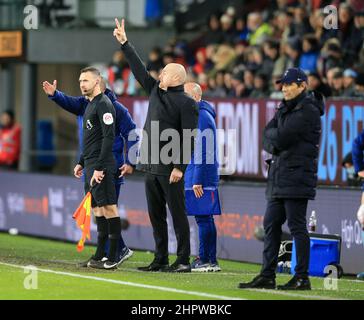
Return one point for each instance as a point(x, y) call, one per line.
point(108, 118)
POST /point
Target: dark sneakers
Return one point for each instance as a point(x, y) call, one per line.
point(154, 267)
point(178, 268)
point(259, 282)
point(296, 283)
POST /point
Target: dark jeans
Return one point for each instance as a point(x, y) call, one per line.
point(160, 192)
point(277, 212)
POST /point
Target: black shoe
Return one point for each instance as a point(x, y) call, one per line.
point(154, 266)
point(296, 283)
point(83, 264)
point(95, 263)
point(178, 267)
point(103, 264)
point(259, 282)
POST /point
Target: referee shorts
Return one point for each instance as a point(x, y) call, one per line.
point(103, 193)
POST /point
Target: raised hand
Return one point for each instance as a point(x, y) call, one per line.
point(50, 89)
point(119, 31)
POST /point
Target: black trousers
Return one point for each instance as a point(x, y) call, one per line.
point(159, 193)
point(277, 212)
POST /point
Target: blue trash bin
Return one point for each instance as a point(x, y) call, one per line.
point(324, 250)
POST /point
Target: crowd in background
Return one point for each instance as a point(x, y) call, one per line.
point(242, 55)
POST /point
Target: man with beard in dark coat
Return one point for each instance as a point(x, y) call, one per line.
point(292, 137)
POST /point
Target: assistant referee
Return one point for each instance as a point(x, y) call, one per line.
point(98, 164)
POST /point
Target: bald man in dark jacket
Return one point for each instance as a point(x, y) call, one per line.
point(169, 109)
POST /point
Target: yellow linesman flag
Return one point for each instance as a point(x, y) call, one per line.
point(83, 220)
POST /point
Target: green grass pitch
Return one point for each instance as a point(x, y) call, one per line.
point(58, 277)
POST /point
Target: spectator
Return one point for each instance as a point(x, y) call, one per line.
point(238, 85)
point(201, 61)
point(348, 35)
point(254, 58)
point(315, 84)
point(308, 59)
point(168, 57)
point(223, 57)
point(248, 82)
point(349, 77)
point(337, 84)
point(260, 89)
point(271, 52)
point(276, 88)
point(259, 30)
point(227, 28)
point(10, 135)
point(242, 31)
point(301, 24)
point(351, 175)
point(359, 23)
point(293, 52)
point(241, 49)
point(317, 23)
point(330, 57)
point(228, 85)
point(359, 86)
point(214, 34)
point(120, 78)
point(155, 62)
point(219, 91)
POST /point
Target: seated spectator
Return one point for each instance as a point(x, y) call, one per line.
point(242, 31)
point(238, 86)
point(260, 89)
point(228, 85)
point(281, 63)
point(227, 28)
point(240, 56)
point(359, 23)
point(248, 81)
point(321, 33)
point(293, 52)
point(349, 77)
point(308, 59)
point(271, 53)
point(315, 84)
point(214, 34)
point(254, 58)
point(301, 24)
point(201, 61)
point(348, 35)
point(222, 59)
point(337, 84)
point(155, 61)
point(282, 22)
point(351, 176)
point(10, 135)
point(259, 30)
point(120, 78)
point(359, 86)
point(276, 88)
point(330, 57)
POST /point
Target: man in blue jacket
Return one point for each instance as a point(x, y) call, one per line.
point(202, 172)
point(124, 132)
point(358, 161)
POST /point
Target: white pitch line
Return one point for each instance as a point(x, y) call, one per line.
point(202, 294)
point(127, 283)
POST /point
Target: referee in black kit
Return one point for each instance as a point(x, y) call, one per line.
point(98, 164)
point(292, 137)
point(169, 109)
